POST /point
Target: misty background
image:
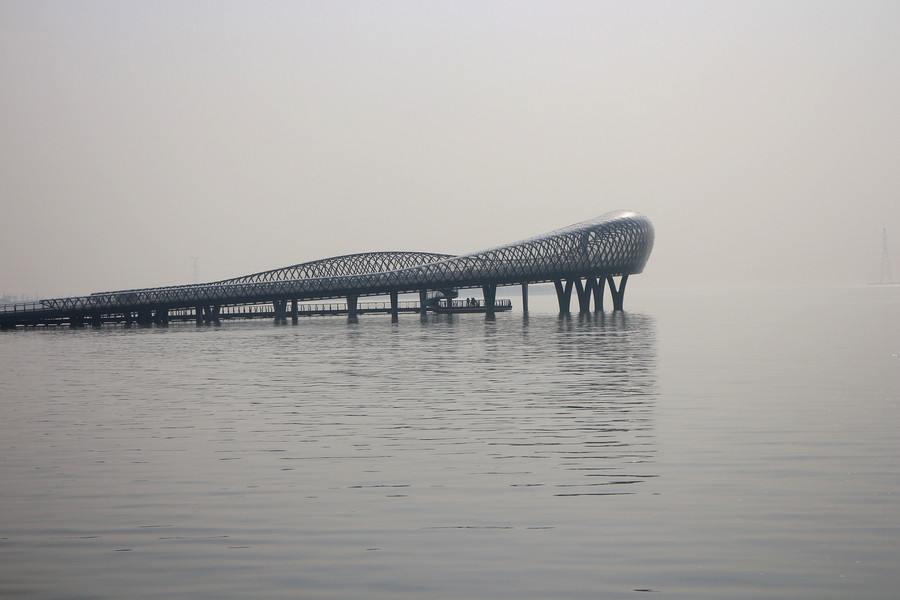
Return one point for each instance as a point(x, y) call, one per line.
point(149, 143)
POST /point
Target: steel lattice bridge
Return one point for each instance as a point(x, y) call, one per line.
point(585, 256)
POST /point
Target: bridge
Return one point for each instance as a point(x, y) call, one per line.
point(586, 257)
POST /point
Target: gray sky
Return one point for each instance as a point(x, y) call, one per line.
point(762, 138)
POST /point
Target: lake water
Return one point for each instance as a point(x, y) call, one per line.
point(714, 445)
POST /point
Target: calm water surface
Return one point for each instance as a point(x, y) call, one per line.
point(738, 445)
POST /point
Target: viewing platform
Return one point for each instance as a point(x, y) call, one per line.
point(586, 257)
point(38, 316)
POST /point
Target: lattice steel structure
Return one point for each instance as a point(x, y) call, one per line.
point(585, 255)
point(336, 266)
point(341, 266)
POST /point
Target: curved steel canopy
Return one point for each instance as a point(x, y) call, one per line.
point(617, 243)
point(338, 266)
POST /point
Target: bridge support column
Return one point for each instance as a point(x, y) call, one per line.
point(598, 294)
point(96, 320)
point(423, 298)
point(618, 295)
point(280, 307)
point(294, 312)
point(76, 321)
point(563, 294)
point(584, 291)
point(208, 314)
point(524, 297)
point(198, 315)
point(162, 316)
point(395, 308)
point(145, 317)
point(352, 302)
point(129, 318)
point(489, 291)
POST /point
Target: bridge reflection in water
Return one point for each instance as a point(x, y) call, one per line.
point(585, 257)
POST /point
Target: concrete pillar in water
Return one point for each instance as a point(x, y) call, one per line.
point(598, 294)
point(280, 307)
point(96, 319)
point(395, 309)
point(423, 298)
point(145, 317)
point(618, 295)
point(524, 297)
point(162, 316)
point(352, 302)
point(563, 294)
point(198, 315)
point(489, 291)
point(294, 311)
point(584, 291)
point(208, 314)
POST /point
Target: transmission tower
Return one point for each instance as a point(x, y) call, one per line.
point(886, 262)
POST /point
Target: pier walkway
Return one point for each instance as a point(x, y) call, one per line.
point(252, 311)
point(585, 257)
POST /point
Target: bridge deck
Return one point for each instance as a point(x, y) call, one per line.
point(585, 256)
point(35, 314)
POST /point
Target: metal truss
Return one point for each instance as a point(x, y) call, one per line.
point(617, 243)
point(340, 266)
point(337, 266)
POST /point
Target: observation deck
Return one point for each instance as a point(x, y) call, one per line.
point(585, 256)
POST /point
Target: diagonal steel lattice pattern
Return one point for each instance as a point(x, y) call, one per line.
point(340, 266)
point(617, 243)
point(336, 266)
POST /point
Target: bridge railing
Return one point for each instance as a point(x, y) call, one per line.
point(267, 308)
point(476, 303)
point(17, 307)
point(362, 306)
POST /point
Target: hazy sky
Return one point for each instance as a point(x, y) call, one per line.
point(762, 138)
